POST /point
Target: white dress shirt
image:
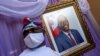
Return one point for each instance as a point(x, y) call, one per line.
point(42, 51)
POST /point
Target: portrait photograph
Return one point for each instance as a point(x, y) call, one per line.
point(65, 30)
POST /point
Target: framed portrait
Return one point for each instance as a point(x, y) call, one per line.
point(66, 28)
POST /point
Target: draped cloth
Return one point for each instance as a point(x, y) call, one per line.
point(30, 8)
point(11, 38)
point(22, 8)
point(84, 6)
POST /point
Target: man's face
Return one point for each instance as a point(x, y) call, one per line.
point(64, 24)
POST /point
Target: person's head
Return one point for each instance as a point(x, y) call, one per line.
point(33, 35)
point(63, 23)
point(30, 27)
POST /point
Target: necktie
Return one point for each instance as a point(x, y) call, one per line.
point(72, 40)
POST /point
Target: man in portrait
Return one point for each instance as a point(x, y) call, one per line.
point(66, 38)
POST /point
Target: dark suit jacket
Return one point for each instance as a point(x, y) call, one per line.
point(63, 42)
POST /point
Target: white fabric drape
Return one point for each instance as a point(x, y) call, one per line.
point(84, 5)
point(22, 8)
point(30, 8)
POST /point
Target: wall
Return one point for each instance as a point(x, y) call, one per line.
point(95, 8)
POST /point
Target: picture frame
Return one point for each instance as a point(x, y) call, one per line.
point(70, 10)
